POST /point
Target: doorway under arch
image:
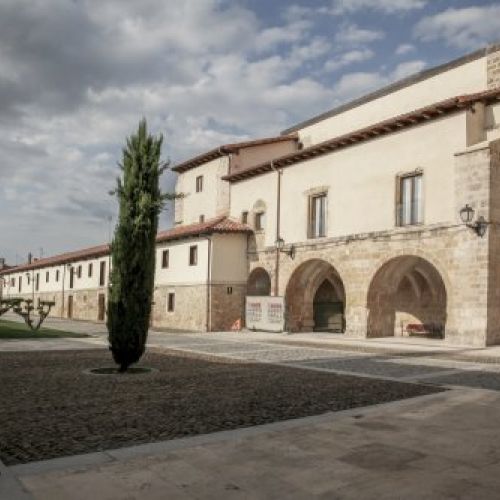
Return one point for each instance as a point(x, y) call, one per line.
point(315, 298)
point(407, 296)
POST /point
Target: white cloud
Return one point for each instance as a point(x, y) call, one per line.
point(352, 85)
point(404, 48)
point(351, 34)
point(350, 57)
point(407, 68)
point(465, 28)
point(340, 7)
point(293, 32)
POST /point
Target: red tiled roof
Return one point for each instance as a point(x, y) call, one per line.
point(218, 225)
point(385, 127)
point(86, 253)
point(227, 149)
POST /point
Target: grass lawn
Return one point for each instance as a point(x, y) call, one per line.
point(13, 330)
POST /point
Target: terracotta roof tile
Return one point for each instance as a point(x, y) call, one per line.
point(217, 225)
point(385, 127)
point(227, 149)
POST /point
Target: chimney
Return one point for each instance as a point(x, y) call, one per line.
point(30, 258)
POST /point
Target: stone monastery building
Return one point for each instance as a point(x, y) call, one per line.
point(377, 218)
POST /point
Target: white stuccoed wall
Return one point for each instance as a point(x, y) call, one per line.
point(212, 201)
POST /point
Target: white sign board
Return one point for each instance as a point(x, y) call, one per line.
point(265, 313)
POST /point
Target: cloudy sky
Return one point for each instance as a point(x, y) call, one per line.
point(77, 75)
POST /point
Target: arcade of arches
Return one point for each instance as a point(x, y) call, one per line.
point(406, 291)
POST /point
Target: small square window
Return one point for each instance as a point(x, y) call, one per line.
point(193, 255)
point(199, 184)
point(165, 258)
point(229, 290)
point(202, 219)
point(171, 302)
point(244, 217)
point(259, 221)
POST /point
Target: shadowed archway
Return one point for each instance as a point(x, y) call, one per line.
point(407, 291)
point(259, 283)
point(315, 298)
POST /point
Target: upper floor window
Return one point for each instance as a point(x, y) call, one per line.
point(409, 199)
point(57, 275)
point(244, 217)
point(202, 219)
point(37, 282)
point(317, 216)
point(260, 220)
point(102, 273)
point(79, 271)
point(165, 257)
point(193, 255)
point(199, 184)
point(47, 277)
point(90, 270)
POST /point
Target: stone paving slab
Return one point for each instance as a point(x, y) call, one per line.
point(435, 447)
point(470, 378)
point(373, 366)
point(292, 355)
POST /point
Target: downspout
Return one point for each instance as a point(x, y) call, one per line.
point(278, 228)
point(208, 323)
point(63, 278)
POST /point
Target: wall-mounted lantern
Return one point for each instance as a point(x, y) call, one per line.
point(467, 216)
point(280, 245)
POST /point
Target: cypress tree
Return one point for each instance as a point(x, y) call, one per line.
point(133, 247)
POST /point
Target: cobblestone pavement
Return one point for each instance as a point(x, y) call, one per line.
point(406, 360)
point(51, 407)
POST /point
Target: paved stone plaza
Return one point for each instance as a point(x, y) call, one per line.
point(443, 445)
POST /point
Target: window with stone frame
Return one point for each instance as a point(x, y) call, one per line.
point(317, 215)
point(260, 221)
point(409, 199)
point(102, 273)
point(199, 184)
point(165, 259)
point(193, 255)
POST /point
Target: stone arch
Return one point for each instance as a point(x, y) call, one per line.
point(406, 289)
point(259, 282)
point(315, 298)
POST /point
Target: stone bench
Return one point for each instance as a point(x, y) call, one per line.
point(424, 330)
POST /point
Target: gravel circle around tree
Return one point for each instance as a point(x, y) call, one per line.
point(51, 408)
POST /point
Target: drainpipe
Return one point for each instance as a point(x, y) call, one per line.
point(278, 229)
point(208, 324)
point(63, 278)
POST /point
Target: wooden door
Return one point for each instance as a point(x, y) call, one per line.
point(70, 306)
point(101, 307)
